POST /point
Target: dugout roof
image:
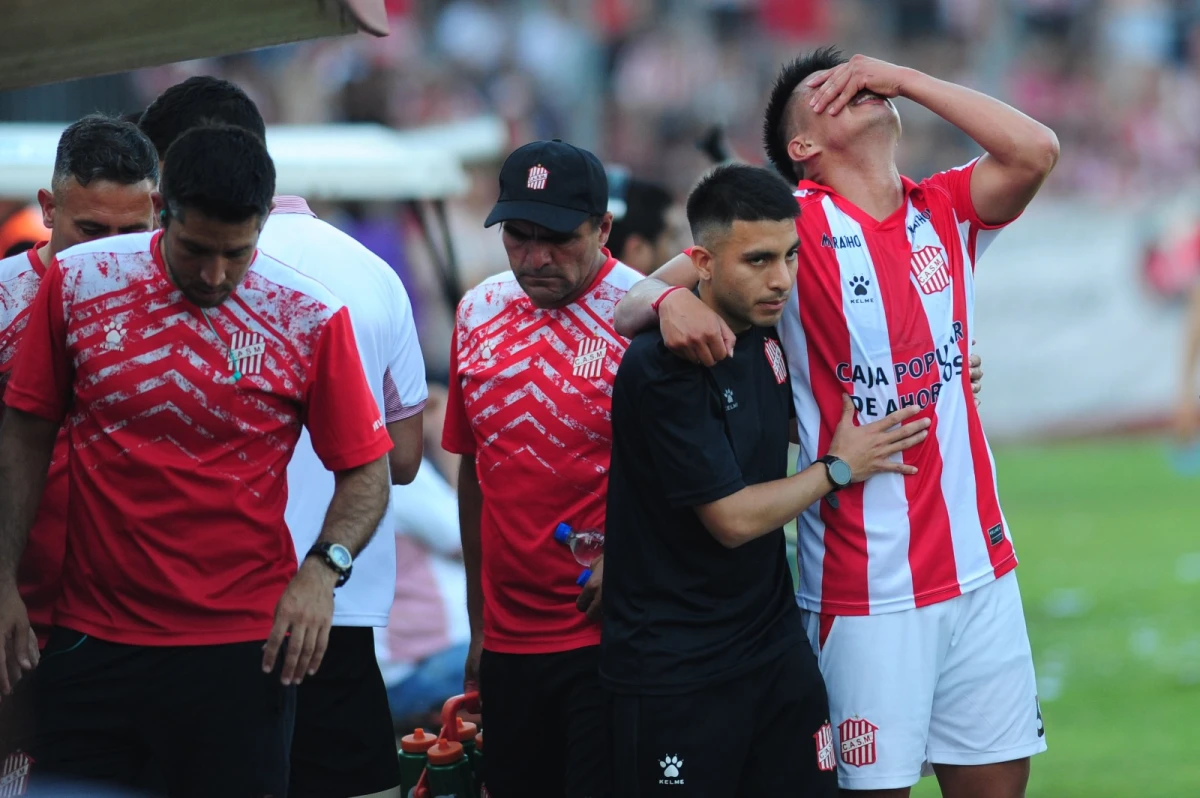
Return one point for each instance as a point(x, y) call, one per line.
point(47, 41)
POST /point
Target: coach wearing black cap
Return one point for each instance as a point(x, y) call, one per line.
point(532, 366)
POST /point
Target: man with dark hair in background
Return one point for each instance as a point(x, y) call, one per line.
point(883, 309)
point(189, 361)
point(642, 237)
point(343, 744)
point(197, 100)
point(700, 619)
point(104, 174)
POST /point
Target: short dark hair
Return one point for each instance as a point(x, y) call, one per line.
point(98, 147)
point(220, 170)
point(199, 100)
point(738, 192)
point(646, 206)
point(775, 124)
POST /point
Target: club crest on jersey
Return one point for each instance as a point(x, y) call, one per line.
point(930, 268)
point(14, 775)
point(245, 352)
point(775, 358)
point(589, 361)
point(824, 740)
point(537, 177)
point(858, 741)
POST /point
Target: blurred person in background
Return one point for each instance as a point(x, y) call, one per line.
point(641, 237)
point(22, 230)
point(343, 744)
point(1188, 415)
point(424, 647)
point(883, 307)
point(446, 463)
point(533, 359)
point(189, 361)
point(104, 174)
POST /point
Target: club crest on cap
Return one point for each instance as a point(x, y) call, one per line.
point(537, 177)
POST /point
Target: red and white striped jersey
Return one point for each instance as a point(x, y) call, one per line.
point(175, 525)
point(883, 311)
point(40, 569)
point(530, 397)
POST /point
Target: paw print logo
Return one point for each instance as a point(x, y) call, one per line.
point(114, 334)
point(670, 766)
point(860, 285)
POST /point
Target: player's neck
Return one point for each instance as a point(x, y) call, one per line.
point(736, 324)
point(868, 178)
point(585, 284)
point(45, 254)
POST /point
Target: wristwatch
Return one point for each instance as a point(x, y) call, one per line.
point(337, 557)
point(837, 470)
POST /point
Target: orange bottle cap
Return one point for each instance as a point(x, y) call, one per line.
point(446, 752)
point(466, 729)
point(418, 742)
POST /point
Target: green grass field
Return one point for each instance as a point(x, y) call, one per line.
point(1109, 542)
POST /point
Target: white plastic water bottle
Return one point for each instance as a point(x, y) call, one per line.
point(586, 545)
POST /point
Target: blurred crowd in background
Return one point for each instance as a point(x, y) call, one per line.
point(641, 81)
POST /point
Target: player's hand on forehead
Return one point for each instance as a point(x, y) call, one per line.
point(834, 89)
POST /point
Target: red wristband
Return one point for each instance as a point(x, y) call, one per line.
point(654, 305)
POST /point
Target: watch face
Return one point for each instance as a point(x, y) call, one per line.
point(340, 556)
point(840, 472)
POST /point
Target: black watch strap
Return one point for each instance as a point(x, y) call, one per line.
point(829, 462)
point(322, 550)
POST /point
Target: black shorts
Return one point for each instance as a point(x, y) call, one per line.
point(206, 719)
point(546, 722)
point(764, 733)
point(15, 722)
point(344, 744)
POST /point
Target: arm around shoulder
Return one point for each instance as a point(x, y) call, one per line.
point(637, 311)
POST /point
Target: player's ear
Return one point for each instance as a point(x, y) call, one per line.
point(802, 149)
point(46, 201)
point(702, 259)
point(606, 222)
point(160, 208)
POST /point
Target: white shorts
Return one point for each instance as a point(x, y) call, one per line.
point(951, 683)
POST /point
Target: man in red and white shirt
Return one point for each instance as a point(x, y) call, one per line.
point(907, 581)
point(185, 363)
point(343, 743)
point(104, 173)
point(532, 365)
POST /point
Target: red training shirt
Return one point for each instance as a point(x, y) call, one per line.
point(530, 397)
point(177, 471)
point(39, 573)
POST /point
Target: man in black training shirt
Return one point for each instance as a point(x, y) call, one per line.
point(717, 692)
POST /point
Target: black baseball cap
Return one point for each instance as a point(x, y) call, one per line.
point(552, 184)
